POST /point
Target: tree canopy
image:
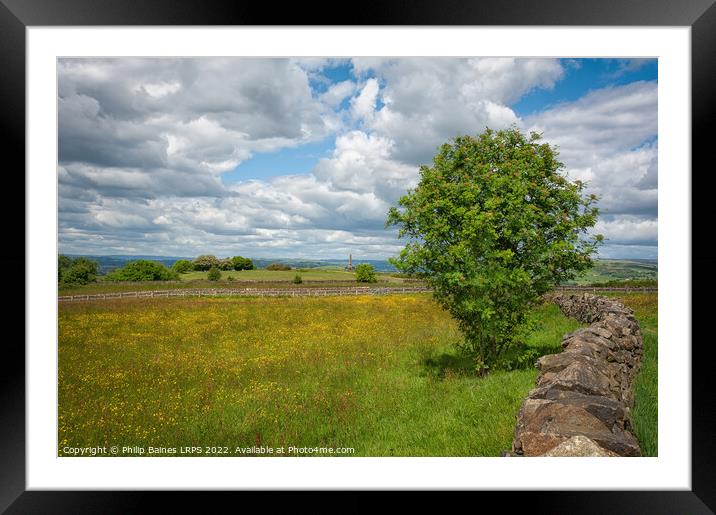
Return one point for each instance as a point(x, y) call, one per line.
point(491, 226)
point(182, 266)
point(205, 262)
point(76, 271)
point(242, 263)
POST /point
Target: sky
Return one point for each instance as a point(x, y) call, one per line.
point(302, 158)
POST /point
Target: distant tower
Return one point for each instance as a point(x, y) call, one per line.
point(350, 262)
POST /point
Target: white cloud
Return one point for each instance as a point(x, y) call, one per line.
point(603, 122)
point(604, 139)
point(204, 115)
point(363, 163)
point(338, 92)
point(363, 105)
point(159, 89)
point(427, 101)
point(628, 230)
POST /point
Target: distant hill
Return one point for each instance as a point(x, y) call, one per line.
point(619, 270)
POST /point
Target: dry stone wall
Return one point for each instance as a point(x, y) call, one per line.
point(583, 396)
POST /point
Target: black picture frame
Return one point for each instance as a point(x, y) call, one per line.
point(17, 15)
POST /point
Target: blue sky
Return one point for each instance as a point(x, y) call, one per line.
point(303, 157)
point(585, 75)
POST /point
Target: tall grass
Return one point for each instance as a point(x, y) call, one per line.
point(646, 400)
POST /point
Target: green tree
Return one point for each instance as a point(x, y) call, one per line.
point(80, 271)
point(182, 266)
point(205, 262)
point(214, 274)
point(491, 226)
point(63, 265)
point(365, 273)
point(143, 270)
point(242, 263)
point(297, 279)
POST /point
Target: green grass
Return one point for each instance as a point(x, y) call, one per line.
point(311, 274)
point(628, 283)
point(605, 270)
point(645, 412)
point(379, 374)
point(319, 278)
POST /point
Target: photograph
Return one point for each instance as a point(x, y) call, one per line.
point(344, 257)
point(421, 248)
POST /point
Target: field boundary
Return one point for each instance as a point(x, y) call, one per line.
point(299, 292)
point(248, 292)
point(594, 289)
point(583, 396)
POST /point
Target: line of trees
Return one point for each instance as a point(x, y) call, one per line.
point(80, 271)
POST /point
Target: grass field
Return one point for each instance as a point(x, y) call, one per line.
point(308, 274)
point(604, 270)
point(244, 279)
point(617, 269)
point(378, 374)
point(645, 412)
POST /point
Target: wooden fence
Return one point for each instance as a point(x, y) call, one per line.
point(249, 292)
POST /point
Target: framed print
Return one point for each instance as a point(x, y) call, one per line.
point(249, 294)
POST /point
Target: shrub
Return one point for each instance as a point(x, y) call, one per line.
point(297, 279)
point(230, 278)
point(143, 270)
point(492, 225)
point(205, 262)
point(182, 266)
point(77, 271)
point(214, 274)
point(365, 273)
point(242, 263)
point(278, 266)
